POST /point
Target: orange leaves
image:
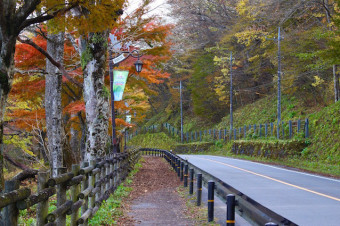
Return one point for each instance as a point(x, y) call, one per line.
point(75, 107)
point(26, 119)
point(27, 57)
point(121, 123)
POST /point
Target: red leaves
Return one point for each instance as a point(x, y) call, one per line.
point(75, 107)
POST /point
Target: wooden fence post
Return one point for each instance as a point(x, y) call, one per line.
point(42, 207)
point(75, 190)
point(10, 212)
point(84, 185)
point(91, 184)
point(61, 197)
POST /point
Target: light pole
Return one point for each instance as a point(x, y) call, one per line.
point(180, 94)
point(112, 63)
point(231, 91)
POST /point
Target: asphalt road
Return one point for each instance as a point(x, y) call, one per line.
point(303, 198)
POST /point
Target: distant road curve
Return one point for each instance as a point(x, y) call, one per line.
point(303, 198)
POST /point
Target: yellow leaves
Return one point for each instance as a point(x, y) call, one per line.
point(249, 10)
point(254, 58)
point(248, 36)
point(90, 16)
point(318, 81)
point(20, 142)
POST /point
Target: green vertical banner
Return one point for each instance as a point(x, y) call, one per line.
point(119, 81)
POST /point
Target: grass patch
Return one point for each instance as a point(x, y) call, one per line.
point(111, 208)
point(153, 140)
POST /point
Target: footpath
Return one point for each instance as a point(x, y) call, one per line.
point(154, 199)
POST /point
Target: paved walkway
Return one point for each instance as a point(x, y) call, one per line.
point(154, 199)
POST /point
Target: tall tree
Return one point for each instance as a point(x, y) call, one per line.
point(53, 110)
point(14, 17)
point(96, 95)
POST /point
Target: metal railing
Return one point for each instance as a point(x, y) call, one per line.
point(248, 208)
point(283, 130)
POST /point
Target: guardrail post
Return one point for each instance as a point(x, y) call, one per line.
point(186, 169)
point(290, 129)
point(230, 210)
point(199, 189)
point(211, 188)
point(11, 212)
point(260, 133)
point(178, 167)
point(75, 190)
point(266, 129)
point(182, 170)
point(191, 184)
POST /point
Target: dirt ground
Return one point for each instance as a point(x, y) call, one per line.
point(154, 199)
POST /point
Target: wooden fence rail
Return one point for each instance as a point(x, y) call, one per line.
point(89, 186)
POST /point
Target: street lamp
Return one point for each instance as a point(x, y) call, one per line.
point(113, 63)
point(139, 65)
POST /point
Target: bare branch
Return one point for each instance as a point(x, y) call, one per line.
point(48, 56)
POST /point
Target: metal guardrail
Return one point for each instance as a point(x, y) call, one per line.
point(246, 207)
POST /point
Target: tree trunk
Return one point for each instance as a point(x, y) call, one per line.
point(7, 45)
point(83, 136)
point(336, 84)
point(96, 95)
point(55, 47)
point(75, 141)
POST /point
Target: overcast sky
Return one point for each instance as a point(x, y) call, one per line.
point(158, 7)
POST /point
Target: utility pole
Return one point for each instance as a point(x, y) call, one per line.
point(231, 90)
point(180, 94)
point(279, 38)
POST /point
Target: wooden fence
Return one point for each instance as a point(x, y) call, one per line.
point(83, 189)
point(283, 130)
